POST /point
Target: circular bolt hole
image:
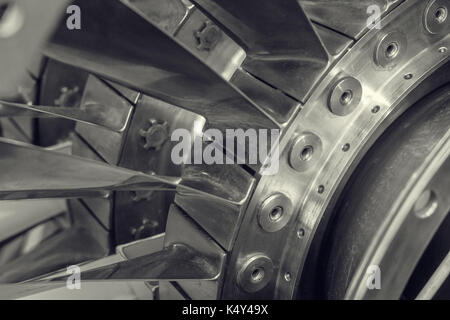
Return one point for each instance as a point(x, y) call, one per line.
point(346, 97)
point(257, 275)
point(276, 214)
point(301, 233)
point(375, 109)
point(307, 153)
point(408, 76)
point(392, 50)
point(426, 204)
point(441, 14)
point(321, 189)
point(442, 49)
point(287, 276)
point(346, 147)
point(304, 151)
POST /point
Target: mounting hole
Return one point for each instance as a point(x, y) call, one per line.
point(408, 76)
point(321, 189)
point(426, 205)
point(307, 153)
point(441, 14)
point(436, 16)
point(442, 49)
point(346, 147)
point(346, 97)
point(276, 214)
point(392, 50)
point(257, 275)
point(11, 19)
point(300, 233)
point(376, 109)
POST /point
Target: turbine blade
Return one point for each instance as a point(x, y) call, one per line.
point(29, 172)
point(139, 54)
point(93, 114)
point(176, 262)
point(281, 44)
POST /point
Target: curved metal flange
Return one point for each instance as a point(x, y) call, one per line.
point(401, 217)
point(312, 191)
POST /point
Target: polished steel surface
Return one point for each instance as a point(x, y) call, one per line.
point(172, 263)
point(181, 78)
point(47, 174)
point(228, 182)
point(108, 144)
point(207, 247)
point(347, 17)
point(92, 114)
point(268, 31)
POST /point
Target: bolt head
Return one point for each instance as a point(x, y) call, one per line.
point(155, 136)
point(208, 36)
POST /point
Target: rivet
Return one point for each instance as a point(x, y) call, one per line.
point(275, 212)
point(305, 151)
point(155, 134)
point(435, 18)
point(390, 49)
point(345, 96)
point(321, 189)
point(255, 273)
point(208, 36)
